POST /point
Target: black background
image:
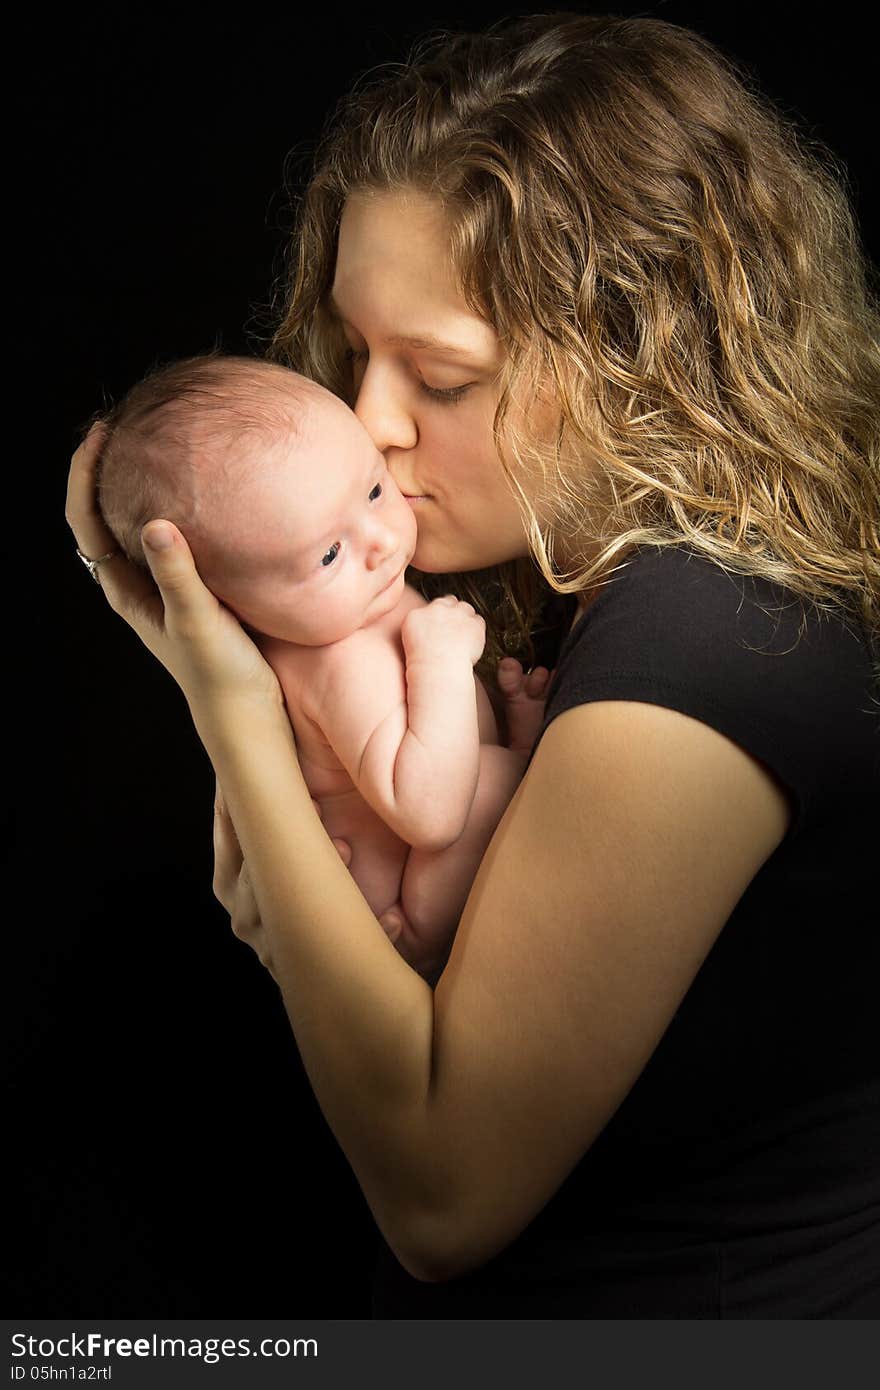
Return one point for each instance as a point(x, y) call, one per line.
point(169, 1156)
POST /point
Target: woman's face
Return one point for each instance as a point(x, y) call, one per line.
point(425, 370)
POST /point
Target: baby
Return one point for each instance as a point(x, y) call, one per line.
point(297, 526)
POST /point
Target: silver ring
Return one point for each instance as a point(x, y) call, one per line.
point(92, 565)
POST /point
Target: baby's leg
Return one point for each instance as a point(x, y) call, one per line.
point(436, 883)
point(373, 854)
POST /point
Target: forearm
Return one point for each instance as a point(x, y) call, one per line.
point(363, 1019)
point(437, 764)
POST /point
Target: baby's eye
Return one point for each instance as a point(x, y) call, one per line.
point(377, 492)
point(331, 554)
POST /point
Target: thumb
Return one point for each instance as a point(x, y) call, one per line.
point(173, 568)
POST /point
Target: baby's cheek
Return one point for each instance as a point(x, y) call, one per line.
point(409, 525)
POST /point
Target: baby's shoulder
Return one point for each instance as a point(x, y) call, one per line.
point(298, 668)
point(377, 641)
point(371, 660)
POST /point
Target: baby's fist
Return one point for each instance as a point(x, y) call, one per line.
point(445, 627)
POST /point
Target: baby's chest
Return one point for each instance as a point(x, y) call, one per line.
point(306, 694)
point(334, 697)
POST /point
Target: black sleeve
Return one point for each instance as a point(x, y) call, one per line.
point(790, 685)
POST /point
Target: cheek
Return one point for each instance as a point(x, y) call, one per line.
point(476, 484)
point(458, 434)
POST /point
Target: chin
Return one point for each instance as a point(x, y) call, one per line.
point(433, 562)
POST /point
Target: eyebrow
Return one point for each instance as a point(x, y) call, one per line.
point(420, 342)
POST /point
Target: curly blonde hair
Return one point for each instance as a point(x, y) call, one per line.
point(650, 235)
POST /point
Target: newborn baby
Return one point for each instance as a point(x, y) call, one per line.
point(296, 525)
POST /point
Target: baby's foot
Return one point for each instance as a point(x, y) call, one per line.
point(392, 922)
point(524, 697)
point(416, 953)
point(342, 847)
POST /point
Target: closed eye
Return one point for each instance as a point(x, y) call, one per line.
point(447, 396)
point(450, 395)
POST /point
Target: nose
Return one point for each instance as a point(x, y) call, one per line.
point(381, 542)
point(383, 412)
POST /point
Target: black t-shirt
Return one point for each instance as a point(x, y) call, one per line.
point(740, 1177)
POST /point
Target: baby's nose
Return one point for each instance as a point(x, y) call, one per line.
point(381, 543)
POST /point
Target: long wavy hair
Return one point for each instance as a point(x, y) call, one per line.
point(652, 237)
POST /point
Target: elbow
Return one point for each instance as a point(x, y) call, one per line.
point(433, 1268)
point(430, 1261)
point(434, 1248)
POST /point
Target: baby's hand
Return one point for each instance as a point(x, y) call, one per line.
point(524, 700)
point(445, 627)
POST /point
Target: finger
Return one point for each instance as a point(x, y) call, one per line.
point(81, 509)
point(228, 859)
point(221, 808)
point(128, 589)
point(187, 601)
point(245, 915)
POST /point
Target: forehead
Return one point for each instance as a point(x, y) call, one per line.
point(393, 267)
point(323, 444)
point(373, 216)
point(329, 452)
point(295, 494)
point(395, 236)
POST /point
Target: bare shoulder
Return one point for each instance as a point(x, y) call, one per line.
point(302, 672)
point(616, 865)
point(378, 643)
point(357, 683)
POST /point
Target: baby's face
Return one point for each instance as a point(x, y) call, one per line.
point(321, 546)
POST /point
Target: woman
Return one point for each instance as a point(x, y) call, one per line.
point(606, 318)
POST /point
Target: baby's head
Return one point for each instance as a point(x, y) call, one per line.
point(288, 508)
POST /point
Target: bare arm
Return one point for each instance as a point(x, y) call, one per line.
point(418, 765)
point(625, 849)
point(620, 858)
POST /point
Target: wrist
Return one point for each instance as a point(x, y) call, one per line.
point(437, 664)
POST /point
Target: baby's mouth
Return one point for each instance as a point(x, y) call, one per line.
point(393, 580)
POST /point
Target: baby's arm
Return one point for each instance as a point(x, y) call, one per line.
point(417, 763)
